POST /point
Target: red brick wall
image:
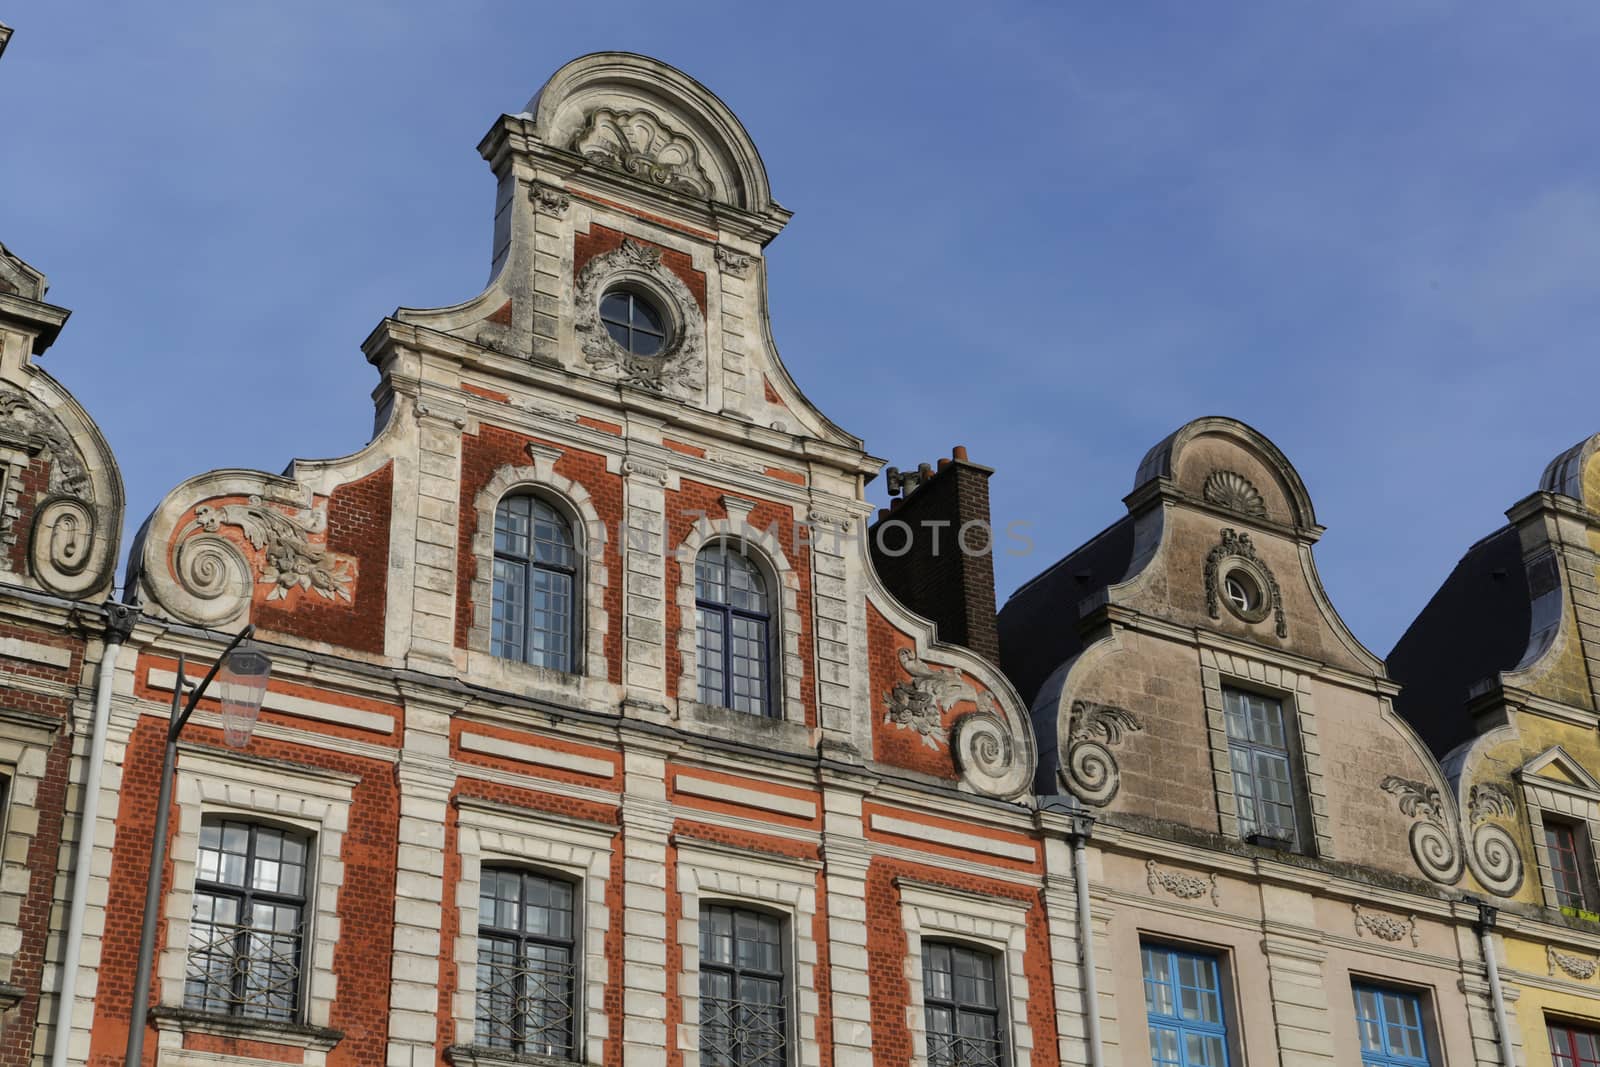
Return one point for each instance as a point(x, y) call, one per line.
point(361, 956)
point(602, 239)
point(895, 745)
point(33, 485)
point(358, 526)
point(493, 448)
point(33, 921)
point(887, 949)
point(687, 505)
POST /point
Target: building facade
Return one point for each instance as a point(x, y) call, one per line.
point(608, 725)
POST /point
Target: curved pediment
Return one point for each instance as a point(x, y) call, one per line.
point(1233, 467)
point(642, 118)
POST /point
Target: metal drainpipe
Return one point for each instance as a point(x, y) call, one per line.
point(119, 623)
point(1486, 918)
point(1082, 826)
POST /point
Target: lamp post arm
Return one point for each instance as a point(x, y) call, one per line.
point(181, 718)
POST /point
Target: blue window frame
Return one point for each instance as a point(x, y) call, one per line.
point(1390, 1024)
point(535, 570)
point(1183, 1006)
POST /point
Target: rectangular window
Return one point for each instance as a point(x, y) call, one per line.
point(1183, 1006)
point(1574, 1046)
point(961, 1001)
point(245, 938)
point(1569, 863)
point(1258, 752)
point(743, 1020)
point(1390, 1024)
point(526, 948)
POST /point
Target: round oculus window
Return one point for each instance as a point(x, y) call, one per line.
point(634, 321)
point(1244, 591)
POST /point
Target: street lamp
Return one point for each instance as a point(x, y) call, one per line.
point(243, 670)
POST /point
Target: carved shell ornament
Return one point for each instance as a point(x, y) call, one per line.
point(679, 366)
point(1090, 771)
point(1232, 490)
point(641, 145)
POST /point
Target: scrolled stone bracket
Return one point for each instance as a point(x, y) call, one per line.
point(1385, 927)
point(1434, 843)
point(1090, 771)
point(1181, 885)
point(1493, 855)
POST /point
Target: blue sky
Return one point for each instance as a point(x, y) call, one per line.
point(1050, 232)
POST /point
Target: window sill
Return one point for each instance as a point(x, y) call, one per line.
point(297, 1035)
point(745, 727)
point(10, 996)
point(483, 1056)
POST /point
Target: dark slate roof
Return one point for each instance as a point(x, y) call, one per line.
point(1039, 624)
point(1475, 626)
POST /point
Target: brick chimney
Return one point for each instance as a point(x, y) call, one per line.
point(934, 548)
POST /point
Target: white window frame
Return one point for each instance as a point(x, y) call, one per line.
point(713, 874)
point(589, 590)
point(1228, 670)
point(995, 924)
point(767, 553)
point(500, 835)
point(317, 802)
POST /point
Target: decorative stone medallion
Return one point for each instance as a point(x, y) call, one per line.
point(1236, 552)
point(1386, 927)
point(1183, 886)
point(679, 366)
point(1573, 966)
point(920, 704)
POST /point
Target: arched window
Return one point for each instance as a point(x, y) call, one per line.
point(525, 963)
point(245, 940)
point(535, 571)
point(961, 1002)
point(734, 631)
point(743, 988)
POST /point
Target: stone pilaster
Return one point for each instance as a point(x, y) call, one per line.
point(646, 830)
point(1297, 978)
point(840, 648)
point(434, 541)
point(644, 569)
point(846, 858)
point(1061, 917)
point(419, 884)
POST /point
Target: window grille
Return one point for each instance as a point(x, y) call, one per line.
point(743, 1010)
point(1258, 751)
point(1183, 1006)
point(246, 939)
point(733, 623)
point(526, 975)
point(1390, 1024)
point(961, 1002)
point(535, 571)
